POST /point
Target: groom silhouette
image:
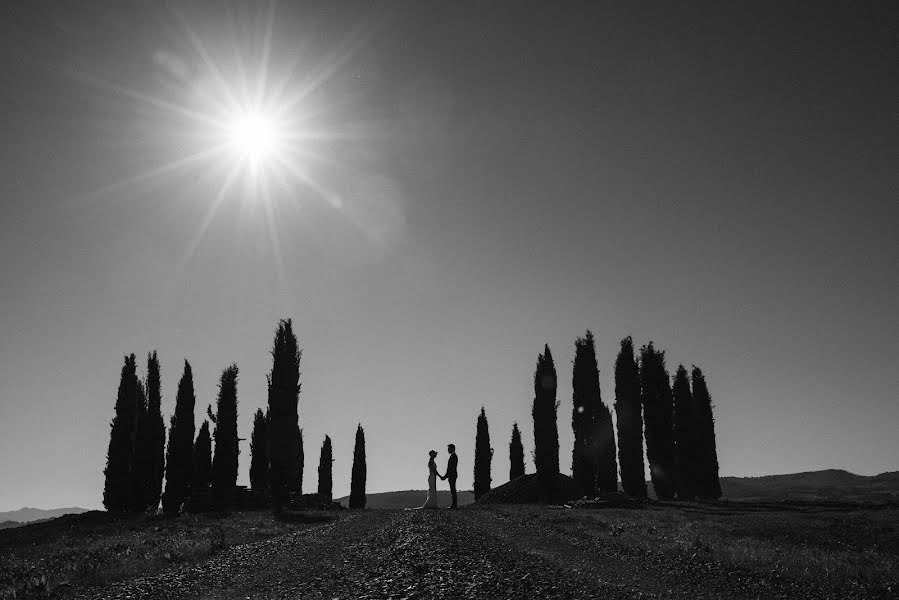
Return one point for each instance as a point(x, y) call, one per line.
point(450, 474)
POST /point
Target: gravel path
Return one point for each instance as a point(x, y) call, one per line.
point(481, 553)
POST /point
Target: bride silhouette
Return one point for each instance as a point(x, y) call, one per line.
point(431, 501)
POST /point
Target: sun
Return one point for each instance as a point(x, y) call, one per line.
point(254, 136)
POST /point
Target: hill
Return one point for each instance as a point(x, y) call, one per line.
point(14, 518)
point(409, 499)
point(829, 484)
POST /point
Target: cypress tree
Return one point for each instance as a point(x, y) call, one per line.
point(224, 461)
point(119, 468)
point(516, 454)
point(301, 459)
point(202, 472)
point(546, 432)
point(179, 454)
point(655, 392)
point(359, 473)
point(259, 452)
point(141, 462)
point(483, 454)
point(707, 484)
point(585, 391)
point(604, 440)
point(155, 432)
point(325, 476)
point(283, 401)
point(684, 436)
point(630, 421)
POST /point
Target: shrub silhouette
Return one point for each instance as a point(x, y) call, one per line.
point(546, 432)
point(119, 469)
point(707, 483)
point(325, 475)
point(283, 401)
point(483, 454)
point(224, 461)
point(630, 421)
point(684, 436)
point(179, 454)
point(655, 393)
point(259, 452)
point(359, 473)
point(516, 454)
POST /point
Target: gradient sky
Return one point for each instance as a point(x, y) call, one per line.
point(720, 178)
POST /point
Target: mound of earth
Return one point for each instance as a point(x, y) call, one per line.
point(528, 490)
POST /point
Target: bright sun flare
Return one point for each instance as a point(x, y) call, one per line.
point(253, 136)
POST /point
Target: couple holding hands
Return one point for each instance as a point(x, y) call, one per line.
point(450, 475)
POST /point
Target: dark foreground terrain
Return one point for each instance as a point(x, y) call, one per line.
point(684, 551)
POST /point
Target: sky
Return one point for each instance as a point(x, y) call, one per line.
point(456, 185)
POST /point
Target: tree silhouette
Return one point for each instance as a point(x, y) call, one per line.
point(586, 401)
point(630, 421)
point(179, 454)
point(546, 432)
point(655, 391)
point(684, 436)
point(707, 484)
point(301, 459)
point(357, 480)
point(283, 401)
point(202, 472)
point(155, 432)
point(483, 454)
point(516, 454)
point(325, 476)
point(259, 452)
point(141, 460)
point(117, 487)
point(224, 461)
point(604, 440)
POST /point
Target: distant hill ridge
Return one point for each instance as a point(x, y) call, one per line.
point(28, 514)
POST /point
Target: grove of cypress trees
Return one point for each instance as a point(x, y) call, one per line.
point(259, 452)
point(483, 454)
point(283, 401)
point(708, 485)
point(630, 421)
point(684, 436)
point(224, 461)
point(202, 472)
point(140, 462)
point(357, 479)
point(325, 476)
point(155, 432)
point(179, 454)
point(546, 432)
point(117, 486)
point(655, 393)
point(516, 454)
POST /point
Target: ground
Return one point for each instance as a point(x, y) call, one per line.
point(663, 551)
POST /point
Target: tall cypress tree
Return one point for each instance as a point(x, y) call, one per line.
point(360, 471)
point(516, 454)
point(655, 392)
point(283, 401)
point(202, 471)
point(179, 454)
point(224, 461)
point(259, 452)
point(325, 475)
point(684, 436)
point(155, 432)
point(546, 432)
point(141, 461)
point(630, 421)
point(483, 454)
point(585, 397)
point(708, 484)
point(119, 468)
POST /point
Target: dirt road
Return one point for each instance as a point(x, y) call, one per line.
point(477, 553)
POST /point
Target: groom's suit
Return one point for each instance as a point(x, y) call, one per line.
point(451, 465)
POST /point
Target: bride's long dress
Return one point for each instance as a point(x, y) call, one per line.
point(431, 502)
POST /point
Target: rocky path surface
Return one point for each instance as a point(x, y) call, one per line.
point(482, 553)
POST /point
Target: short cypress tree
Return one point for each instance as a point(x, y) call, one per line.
point(516, 454)
point(179, 454)
point(224, 461)
point(359, 473)
point(202, 471)
point(684, 436)
point(259, 452)
point(606, 463)
point(301, 460)
point(655, 393)
point(708, 485)
point(283, 403)
point(630, 421)
point(483, 454)
point(546, 432)
point(325, 475)
point(117, 487)
point(140, 449)
point(156, 432)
